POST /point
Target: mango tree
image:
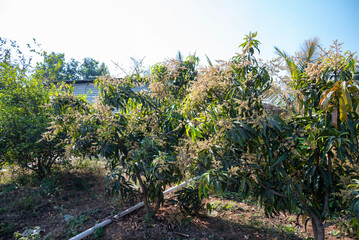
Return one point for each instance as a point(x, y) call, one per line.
point(137, 132)
point(293, 164)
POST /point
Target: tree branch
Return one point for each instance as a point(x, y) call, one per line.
point(272, 191)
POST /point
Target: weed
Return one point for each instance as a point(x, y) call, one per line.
point(244, 208)
point(241, 215)
point(117, 204)
point(27, 203)
point(9, 188)
point(98, 233)
point(335, 233)
point(6, 228)
point(179, 219)
point(26, 179)
point(4, 209)
point(287, 228)
point(93, 164)
point(33, 234)
point(212, 236)
point(50, 186)
point(148, 219)
point(224, 206)
point(255, 222)
point(291, 219)
point(74, 224)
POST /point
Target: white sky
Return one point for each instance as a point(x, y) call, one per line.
point(117, 30)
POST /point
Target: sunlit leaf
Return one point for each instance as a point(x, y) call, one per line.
point(343, 110)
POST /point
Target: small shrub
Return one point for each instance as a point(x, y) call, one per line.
point(189, 200)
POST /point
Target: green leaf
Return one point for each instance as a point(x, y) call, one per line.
point(346, 97)
point(355, 208)
point(280, 159)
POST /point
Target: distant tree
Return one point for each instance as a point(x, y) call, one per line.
point(71, 70)
point(90, 69)
point(52, 68)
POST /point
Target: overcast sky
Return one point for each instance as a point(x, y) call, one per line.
point(117, 30)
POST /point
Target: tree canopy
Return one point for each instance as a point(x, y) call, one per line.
point(24, 117)
point(55, 68)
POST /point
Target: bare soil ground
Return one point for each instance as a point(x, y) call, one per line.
point(79, 194)
point(76, 193)
point(228, 220)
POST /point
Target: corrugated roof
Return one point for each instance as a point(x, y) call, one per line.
point(86, 88)
point(91, 91)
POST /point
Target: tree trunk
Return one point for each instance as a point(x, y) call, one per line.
point(39, 170)
point(157, 206)
point(318, 228)
point(143, 190)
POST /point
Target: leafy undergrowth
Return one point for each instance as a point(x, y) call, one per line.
point(78, 195)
